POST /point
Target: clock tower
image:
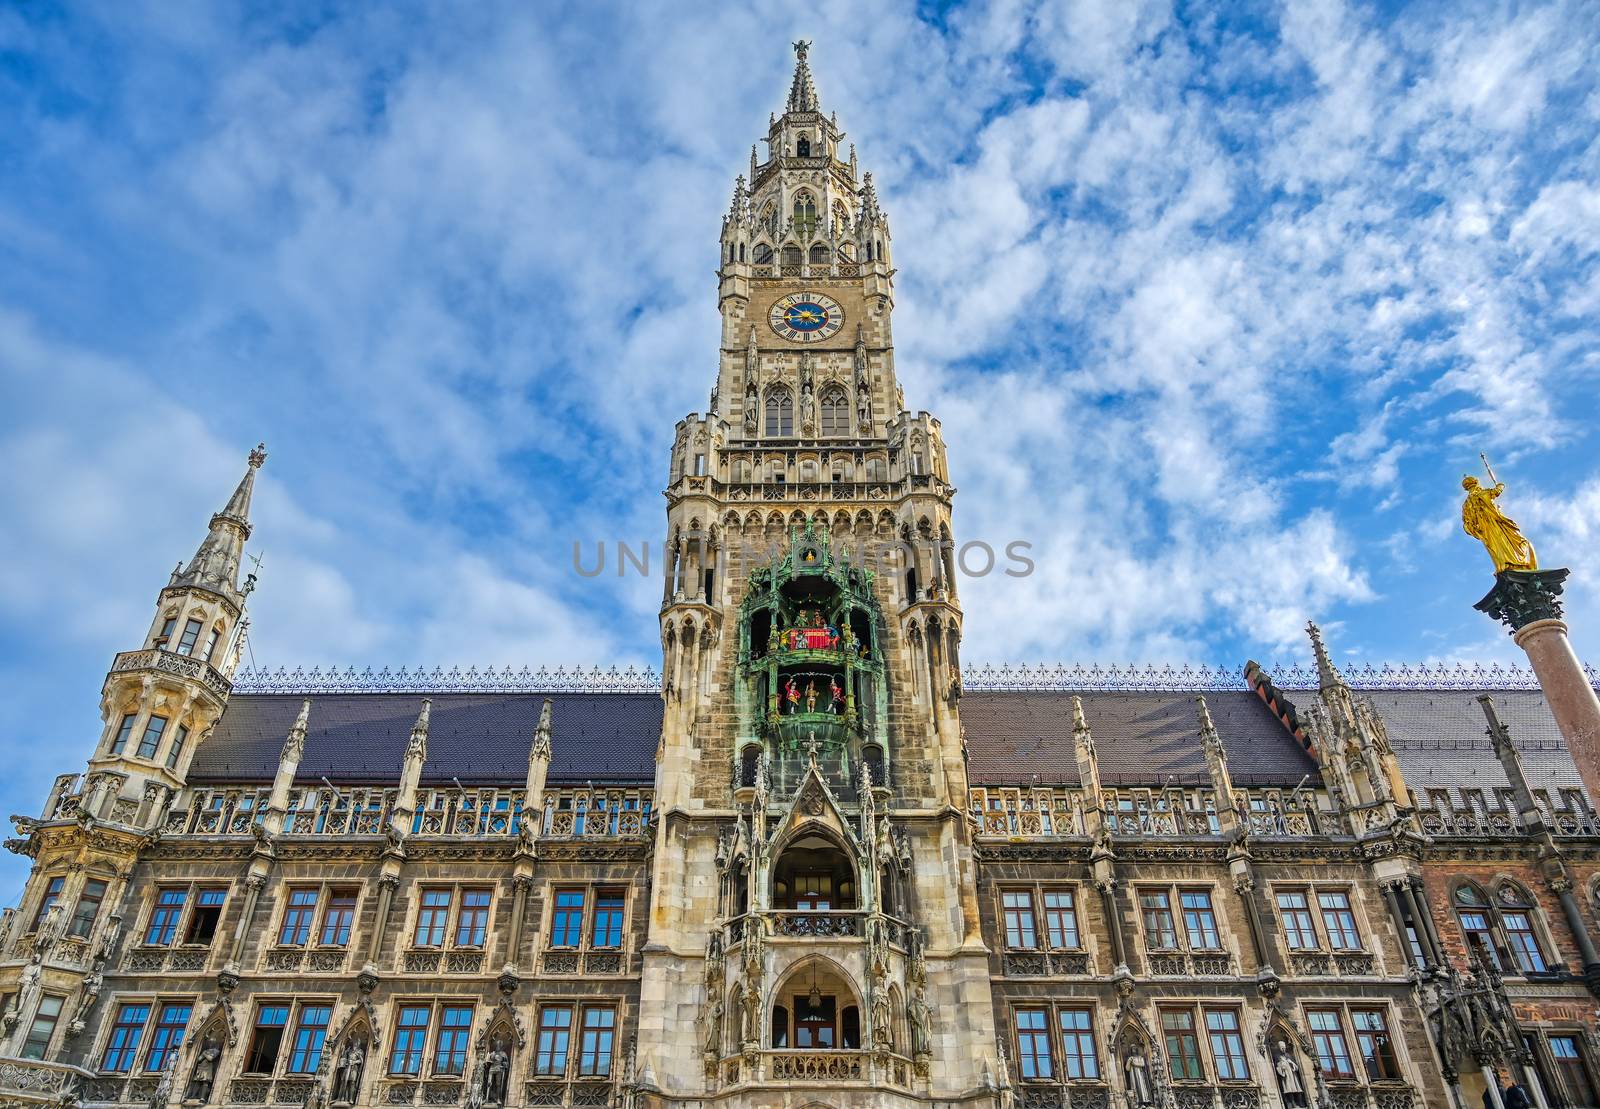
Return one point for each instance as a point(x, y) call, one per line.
point(814, 922)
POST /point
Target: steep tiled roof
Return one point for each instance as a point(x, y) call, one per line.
point(482, 738)
point(1013, 738)
point(1143, 738)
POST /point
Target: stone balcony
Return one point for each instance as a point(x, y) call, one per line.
point(169, 662)
point(844, 1067)
point(36, 1082)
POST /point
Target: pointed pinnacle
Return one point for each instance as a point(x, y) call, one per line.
point(418, 744)
point(541, 735)
point(1327, 672)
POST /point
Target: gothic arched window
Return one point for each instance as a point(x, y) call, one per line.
point(835, 411)
point(780, 413)
point(769, 218)
point(805, 216)
point(763, 254)
point(791, 256)
point(819, 254)
point(803, 147)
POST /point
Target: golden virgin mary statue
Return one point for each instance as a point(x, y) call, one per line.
point(1482, 519)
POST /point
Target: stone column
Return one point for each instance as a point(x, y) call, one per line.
point(1416, 897)
point(1528, 602)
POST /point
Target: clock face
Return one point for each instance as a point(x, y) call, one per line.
point(806, 317)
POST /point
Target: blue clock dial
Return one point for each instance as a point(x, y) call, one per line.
point(806, 317)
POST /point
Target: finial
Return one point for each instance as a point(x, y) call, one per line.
point(258, 456)
point(541, 736)
point(1208, 730)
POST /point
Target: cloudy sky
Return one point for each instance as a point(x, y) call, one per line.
point(1217, 303)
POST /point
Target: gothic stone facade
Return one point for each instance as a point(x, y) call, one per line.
point(811, 866)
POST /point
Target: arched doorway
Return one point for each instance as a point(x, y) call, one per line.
point(816, 1008)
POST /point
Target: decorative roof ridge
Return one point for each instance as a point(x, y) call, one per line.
point(983, 678)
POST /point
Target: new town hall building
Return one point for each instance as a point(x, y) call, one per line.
point(814, 863)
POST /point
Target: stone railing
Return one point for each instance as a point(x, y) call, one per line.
point(557, 1093)
point(1346, 964)
point(168, 960)
point(470, 812)
point(294, 960)
point(597, 814)
point(603, 961)
point(249, 1090)
point(36, 1082)
point(1072, 1095)
point(1503, 822)
point(1190, 964)
point(833, 923)
point(167, 662)
point(1383, 1096)
point(1027, 813)
point(433, 960)
point(1044, 964)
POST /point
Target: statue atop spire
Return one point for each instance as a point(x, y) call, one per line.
point(802, 93)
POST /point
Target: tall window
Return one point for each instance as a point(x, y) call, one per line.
point(174, 751)
point(1183, 1046)
point(1061, 920)
point(555, 1031)
point(165, 634)
point(1033, 1044)
point(1021, 930)
point(410, 1040)
point(1577, 1086)
point(164, 921)
point(1475, 929)
point(152, 736)
point(1298, 927)
point(1375, 1044)
point(168, 1034)
point(310, 1034)
point(337, 918)
point(455, 1027)
point(1160, 932)
point(1327, 1037)
point(1227, 1045)
point(432, 918)
point(607, 930)
point(1524, 944)
point(1078, 1057)
point(47, 901)
point(566, 926)
point(805, 216)
point(206, 916)
point(88, 907)
point(211, 643)
point(1199, 921)
point(835, 411)
point(125, 1036)
point(124, 731)
point(297, 917)
point(599, 1026)
point(780, 413)
point(1339, 920)
point(191, 635)
point(474, 919)
point(267, 1039)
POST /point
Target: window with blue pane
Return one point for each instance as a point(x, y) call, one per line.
point(608, 906)
point(267, 1039)
point(164, 921)
point(1033, 1044)
point(555, 1030)
point(566, 926)
point(473, 921)
point(153, 730)
point(432, 918)
point(125, 1036)
point(177, 747)
point(1199, 921)
point(309, 1035)
point(450, 1053)
point(168, 1035)
point(297, 917)
point(599, 1026)
point(410, 1040)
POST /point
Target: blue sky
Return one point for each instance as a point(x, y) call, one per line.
point(1216, 302)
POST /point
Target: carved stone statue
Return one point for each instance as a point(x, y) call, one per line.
point(1289, 1081)
point(863, 409)
point(713, 1025)
point(1482, 519)
point(808, 410)
point(752, 409)
point(917, 1012)
point(882, 1017)
point(163, 1088)
point(203, 1075)
point(1136, 1078)
point(496, 1067)
point(347, 1079)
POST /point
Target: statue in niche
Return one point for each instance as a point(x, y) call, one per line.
point(836, 696)
point(347, 1081)
point(1482, 519)
point(808, 410)
point(1136, 1077)
point(863, 407)
point(496, 1066)
point(752, 409)
point(714, 1025)
point(1289, 1079)
point(203, 1075)
point(917, 1011)
point(882, 1017)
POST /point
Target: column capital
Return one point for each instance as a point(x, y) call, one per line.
point(1522, 598)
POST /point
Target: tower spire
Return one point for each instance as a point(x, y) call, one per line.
point(216, 564)
point(1327, 673)
point(802, 93)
